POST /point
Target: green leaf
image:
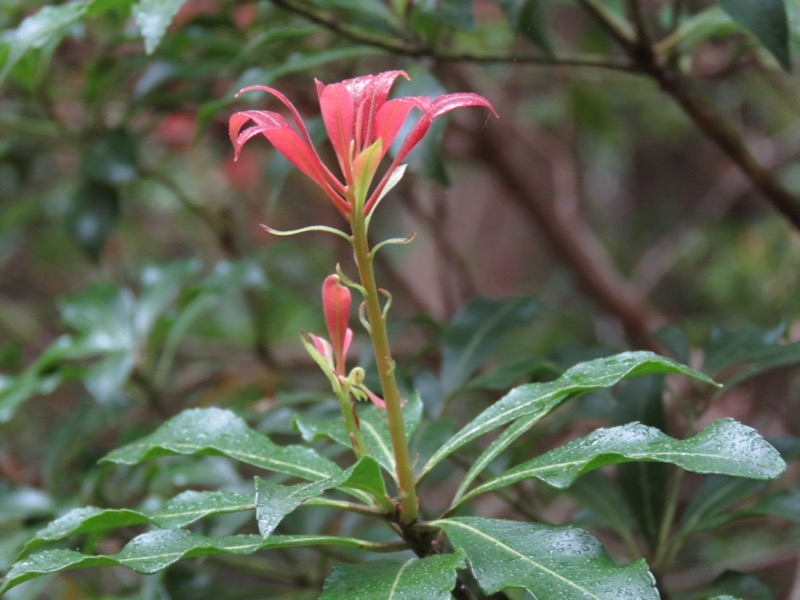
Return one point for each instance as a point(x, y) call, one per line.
point(153, 17)
point(767, 20)
point(214, 432)
point(374, 429)
point(725, 447)
point(710, 505)
point(111, 159)
point(155, 550)
point(536, 400)
point(547, 560)
point(92, 216)
point(430, 578)
point(275, 501)
point(527, 17)
point(784, 505)
point(475, 332)
point(44, 28)
point(600, 495)
point(182, 510)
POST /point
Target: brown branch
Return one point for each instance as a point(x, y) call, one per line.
point(416, 49)
point(503, 149)
point(703, 113)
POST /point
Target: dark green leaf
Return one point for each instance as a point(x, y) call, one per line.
point(536, 400)
point(711, 504)
point(156, 550)
point(784, 505)
point(215, 432)
point(767, 20)
point(475, 332)
point(454, 13)
point(600, 495)
point(111, 159)
point(732, 585)
point(726, 447)
point(153, 17)
point(430, 578)
point(92, 217)
point(527, 17)
point(547, 560)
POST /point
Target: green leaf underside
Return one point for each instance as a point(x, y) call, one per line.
point(373, 429)
point(275, 501)
point(184, 509)
point(536, 400)
point(153, 551)
point(549, 561)
point(725, 447)
point(430, 578)
point(215, 432)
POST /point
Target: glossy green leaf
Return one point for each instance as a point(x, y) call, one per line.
point(182, 510)
point(46, 27)
point(156, 550)
point(767, 20)
point(153, 17)
point(373, 429)
point(430, 578)
point(549, 561)
point(725, 447)
point(275, 501)
point(213, 431)
point(475, 332)
point(536, 400)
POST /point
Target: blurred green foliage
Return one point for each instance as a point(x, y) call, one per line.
point(135, 281)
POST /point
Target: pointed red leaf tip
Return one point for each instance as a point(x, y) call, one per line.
point(356, 114)
point(336, 302)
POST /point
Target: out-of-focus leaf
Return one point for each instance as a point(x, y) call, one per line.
point(92, 217)
point(454, 13)
point(475, 332)
point(527, 17)
point(111, 159)
point(601, 497)
point(725, 447)
point(156, 550)
point(374, 429)
point(16, 389)
point(44, 28)
point(732, 585)
point(535, 400)
point(711, 504)
point(153, 17)
point(768, 21)
point(699, 28)
point(20, 503)
point(511, 372)
point(431, 578)
point(547, 560)
point(727, 349)
point(182, 510)
point(784, 505)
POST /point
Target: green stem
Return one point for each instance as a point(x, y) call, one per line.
point(350, 423)
point(385, 364)
point(664, 545)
